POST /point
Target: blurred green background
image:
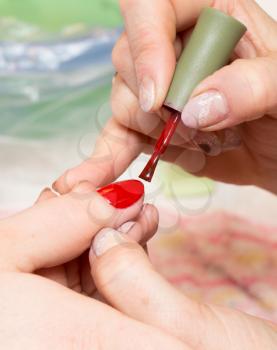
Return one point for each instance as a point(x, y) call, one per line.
point(68, 112)
point(53, 15)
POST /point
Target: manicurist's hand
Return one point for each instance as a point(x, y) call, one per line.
point(46, 282)
point(126, 279)
point(234, 111)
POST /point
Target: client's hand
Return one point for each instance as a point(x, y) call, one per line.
point(51, 239)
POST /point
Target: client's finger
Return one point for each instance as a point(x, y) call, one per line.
point(59, 229)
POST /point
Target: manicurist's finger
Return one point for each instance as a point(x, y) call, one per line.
point(241, 92)
point(124, 64)
point(132, 117)
point(151, 31)
point(145, 226)
point(60, 229)
point(115, 149)
point(47, 193)
point(127, 112)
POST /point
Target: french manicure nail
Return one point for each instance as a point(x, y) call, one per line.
point(147, 94)
point(106, 240)
point(123, 194)
point(207, 109)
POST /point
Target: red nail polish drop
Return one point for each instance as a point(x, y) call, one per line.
point(161, 146)
point(123, 194)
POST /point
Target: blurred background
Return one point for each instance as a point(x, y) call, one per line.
point(56, 73)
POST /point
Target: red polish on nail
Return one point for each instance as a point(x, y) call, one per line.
point(161, 146)
point(123, 194)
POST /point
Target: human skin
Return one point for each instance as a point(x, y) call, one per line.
point(54, 295)
point(248, 87)
point(151, 299)
point(243, 94)
point(47, 295)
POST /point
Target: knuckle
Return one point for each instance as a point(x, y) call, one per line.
point(151, 219)
point(91, 209)
point(116, 55)
point(154, 214)
point(123, 104)
point(120, 52)
point(143, 45)
point(257, 83)
point(255, 79)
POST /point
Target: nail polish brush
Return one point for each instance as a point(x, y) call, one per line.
point(210, 47)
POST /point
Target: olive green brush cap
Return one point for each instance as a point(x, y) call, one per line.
point(210, 47)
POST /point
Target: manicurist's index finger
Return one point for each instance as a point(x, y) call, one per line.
point(151, 29)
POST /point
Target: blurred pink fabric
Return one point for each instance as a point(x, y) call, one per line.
point(223, 259)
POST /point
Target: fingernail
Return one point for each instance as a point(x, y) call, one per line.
point(209, 143)
point(125, 228)
point(123, 194)
point(232, 140)
point(54, 185)
point(46, 189)
point(147, 94)
point(207, 109)
point(106, 240)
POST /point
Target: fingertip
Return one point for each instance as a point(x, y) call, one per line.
point(145, 226)
point(64, 183)
point(105, 240)
point(237, 93)
point(151, 213)
point(155, 77)
point(125, 228)
point(149, 221)
point(85, 172)
point(47, 193)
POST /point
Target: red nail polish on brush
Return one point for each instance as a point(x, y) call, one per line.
point(210, 47)
point(161, 146)
point(123, 194)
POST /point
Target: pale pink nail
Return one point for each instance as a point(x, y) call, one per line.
point(125, 228)
point(105, 240)
point(232, 139)
point(147, 94)
point(209, 143)
point(207, 109)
